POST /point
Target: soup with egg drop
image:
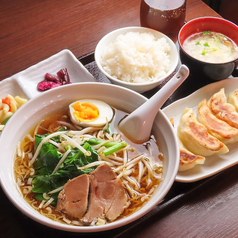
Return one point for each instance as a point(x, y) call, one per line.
point(212, 47)
point(59, 160)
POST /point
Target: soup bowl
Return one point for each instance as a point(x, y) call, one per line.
point(59, 98)
point(213, 71)
point(142, 86)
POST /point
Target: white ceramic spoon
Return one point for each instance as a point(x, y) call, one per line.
point(137, 126)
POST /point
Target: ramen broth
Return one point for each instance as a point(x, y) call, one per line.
point(212, 47)
point(23, 171)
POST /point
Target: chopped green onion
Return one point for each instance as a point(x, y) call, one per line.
point(206, 44)
point(198, 43)
point(95, 141)
point(108, 129)
point(206, 32)
point(114, 148)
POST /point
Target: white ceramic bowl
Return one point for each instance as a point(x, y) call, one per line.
point(37, 108)
point(138, 87)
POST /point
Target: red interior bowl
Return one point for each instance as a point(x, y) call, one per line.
point(213, 71)
point(209, 23)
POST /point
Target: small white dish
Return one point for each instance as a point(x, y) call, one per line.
point(24, 83)
point(11, 86)
point(216, 163)
point(138, 87)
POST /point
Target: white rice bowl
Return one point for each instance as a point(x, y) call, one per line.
point(138, 58)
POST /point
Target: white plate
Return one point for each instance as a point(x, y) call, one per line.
point(213, 164)
point(24, 83)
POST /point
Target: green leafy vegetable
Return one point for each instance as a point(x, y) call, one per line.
point(77, 158)
point(41, 198)
point(48, 158)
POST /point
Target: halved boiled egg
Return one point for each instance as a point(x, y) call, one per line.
point(90, 112)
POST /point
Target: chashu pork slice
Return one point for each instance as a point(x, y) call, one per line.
point(108, 197)
point(73, 199)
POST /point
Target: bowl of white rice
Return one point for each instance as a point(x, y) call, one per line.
point(138, 58)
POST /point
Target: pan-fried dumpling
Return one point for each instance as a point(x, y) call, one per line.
point(216, 127)
point(233, 99)
point(223, 110)
point(196, 138)
point(188, 160)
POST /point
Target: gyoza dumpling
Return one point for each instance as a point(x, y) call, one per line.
point(188, 160)
point(233, 99)
point(196, 138)
point(216, 127)
point(223, 110)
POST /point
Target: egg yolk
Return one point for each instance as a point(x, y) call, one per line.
point(85, 111)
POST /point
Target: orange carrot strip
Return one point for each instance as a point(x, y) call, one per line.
point(7, 101)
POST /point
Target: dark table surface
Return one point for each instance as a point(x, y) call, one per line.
point(32, 31)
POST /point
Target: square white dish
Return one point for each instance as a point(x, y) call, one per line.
point(24, 83)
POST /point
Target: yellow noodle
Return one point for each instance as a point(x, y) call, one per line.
point(6, 111)
point(138, 185)
point(20, 100)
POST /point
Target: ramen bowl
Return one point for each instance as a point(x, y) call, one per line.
point(133, 56)
point(211, 70)
point(56, 99)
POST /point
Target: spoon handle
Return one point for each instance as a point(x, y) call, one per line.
point(164, 93)
point(138, 124)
